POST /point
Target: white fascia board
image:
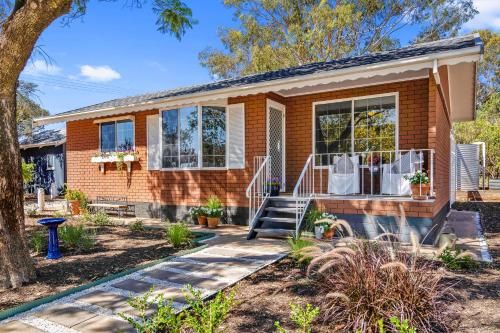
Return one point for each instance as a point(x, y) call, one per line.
point(352, 73)
point(40, 145)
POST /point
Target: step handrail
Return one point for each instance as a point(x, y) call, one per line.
point(303, 192)
point(257, 192)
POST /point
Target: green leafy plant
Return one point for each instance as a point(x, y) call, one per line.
point(178, 234)
point(38, 241)
point(419, 177)
point(313, 215)
point(194, 212)
point(162, 319)
point(207, 316)
point(59, 214)
point(399, 327)
point(28, 171)
point(76, 195)
point(137, 226)
point(31, 212)
point(296, 247)
point(302, 317)
point(213, 207)
point(77, 237)
point(458, 259)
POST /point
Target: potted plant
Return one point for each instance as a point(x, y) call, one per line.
point(273, 186)
point(76, 200)
point(326, 227)
point(214, 211)
point(199, 214)
point(419, 183)
point(322, 229)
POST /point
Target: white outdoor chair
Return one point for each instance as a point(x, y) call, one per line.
point(393, 174)
point(343, 175)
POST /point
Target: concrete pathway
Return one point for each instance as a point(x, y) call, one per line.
point(228, 258)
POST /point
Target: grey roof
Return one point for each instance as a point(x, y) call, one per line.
point(410, 51)
point(44, 137)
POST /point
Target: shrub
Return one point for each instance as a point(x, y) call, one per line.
point(313, 215)
point(368, 281)
point(457, 259)
point(207, 316)
point(163, 319)
point(28, 171)
point(399, 327)
point(32, 212)
point(38, 241)
point(77, 237)
point(178, 234)
point(99, 218)
point(137, 226)
point(301, 316)
point(297, 246)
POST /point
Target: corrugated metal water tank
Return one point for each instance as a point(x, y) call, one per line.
point(468, 167)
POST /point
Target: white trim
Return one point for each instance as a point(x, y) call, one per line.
point(115, 119)
point(49, 157)
point(352, 99)
point(280, 107)
point(470, 54)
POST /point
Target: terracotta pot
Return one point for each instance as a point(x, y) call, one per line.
point(213, 222)
point(202, 220)
point(328, 234)
point(420, 191)
point(75, 207)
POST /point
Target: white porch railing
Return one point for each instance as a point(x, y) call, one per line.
point(304, 191)
point(374, 173)
point(257, 191)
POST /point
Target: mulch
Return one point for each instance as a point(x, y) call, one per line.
point(117, 249)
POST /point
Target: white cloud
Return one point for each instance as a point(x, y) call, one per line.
point(99, 73)
point(38, 67)
point(488, 17)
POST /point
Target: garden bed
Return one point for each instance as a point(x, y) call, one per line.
point(116, 249)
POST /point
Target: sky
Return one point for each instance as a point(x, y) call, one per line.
point(115, 51)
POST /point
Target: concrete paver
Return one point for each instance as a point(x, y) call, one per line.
point(228, 258)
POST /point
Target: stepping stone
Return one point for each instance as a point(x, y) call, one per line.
point(208, 258)
point(104, 324)
point(107, 300)
point(65, 315)
point(184, 279)
point(133, 285)
point(186, 266)
point(171, 293)
point(239, 254)
point(17, 326)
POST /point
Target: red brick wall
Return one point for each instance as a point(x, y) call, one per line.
point(421, 120)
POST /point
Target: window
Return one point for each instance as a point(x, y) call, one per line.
point(185, 130)
point(180, 138)
point(51, 162)
point(214, 136)
point(117, 136)
point(358, 125)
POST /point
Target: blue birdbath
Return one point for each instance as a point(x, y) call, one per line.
point(52, 223)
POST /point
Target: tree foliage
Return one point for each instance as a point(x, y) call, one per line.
point(27, 107)
point(276, 34)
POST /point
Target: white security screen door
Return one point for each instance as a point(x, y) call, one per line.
point(276, 139)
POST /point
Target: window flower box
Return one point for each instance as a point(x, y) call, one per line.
point(120, 158)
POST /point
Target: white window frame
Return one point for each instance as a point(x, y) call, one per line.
point(200, 166)
point(115, 120)
point(352, 99)
point(53, 158)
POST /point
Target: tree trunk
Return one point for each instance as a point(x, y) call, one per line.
point(18, 35)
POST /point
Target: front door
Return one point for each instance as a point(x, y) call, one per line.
point(276, 139)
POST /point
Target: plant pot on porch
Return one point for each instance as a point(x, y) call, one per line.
point(420, 191)
point(213, 222)
point(274, 190)
point(202, 220)
point(75, 207)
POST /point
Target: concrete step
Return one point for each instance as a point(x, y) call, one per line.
point(282, 209)
point(278, 219)
point(262, 232)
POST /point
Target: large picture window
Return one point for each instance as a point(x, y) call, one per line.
point(357, 125)
point(185, 130)
point(117, 135)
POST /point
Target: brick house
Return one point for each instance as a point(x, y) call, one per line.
point(340, 134)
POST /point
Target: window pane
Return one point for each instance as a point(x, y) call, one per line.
point(189, 144)
point(333, 129)
point(124, 135)
point(170, 142)
point(108, 136)
point(214, 136)
point(375, 124)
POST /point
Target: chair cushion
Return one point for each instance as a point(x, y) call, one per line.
point(403, 165)
point(344, 165)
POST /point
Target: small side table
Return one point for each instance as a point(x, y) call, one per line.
point(52, 224)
